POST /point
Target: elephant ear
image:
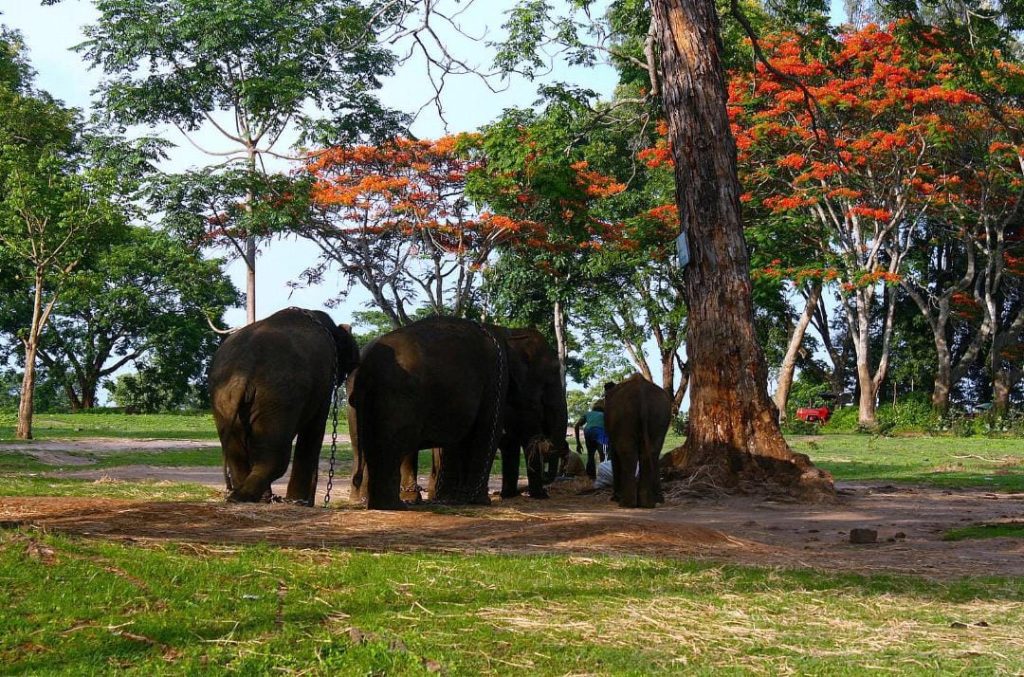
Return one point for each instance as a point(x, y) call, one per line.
point(518, 372)
point(348, 350)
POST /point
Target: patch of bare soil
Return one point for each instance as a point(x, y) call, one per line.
point(910, 522)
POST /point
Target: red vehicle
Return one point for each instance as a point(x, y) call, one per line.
point(814, 413)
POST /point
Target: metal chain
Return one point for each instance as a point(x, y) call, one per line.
point(492, 445)
point(334, 445)
point(334, 404)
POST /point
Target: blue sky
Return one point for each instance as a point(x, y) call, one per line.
point(50, 32)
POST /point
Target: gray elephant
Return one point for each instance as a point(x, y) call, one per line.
point(536, 416)
point(270, 383)
point(441, 383)
point(637, 415)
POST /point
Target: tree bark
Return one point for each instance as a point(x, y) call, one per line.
point(28, 386)
point(560, 341)
point(250, 279)
point(734, 438)
point(793, 349)
point(28, 379)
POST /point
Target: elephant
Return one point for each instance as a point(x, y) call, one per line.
point(536, 416)
point(637, 415)
point(271, 382)
point(443, 383)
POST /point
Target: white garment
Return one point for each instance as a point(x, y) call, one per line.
point(604, 475)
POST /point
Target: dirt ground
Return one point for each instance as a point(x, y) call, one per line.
point(577, 520)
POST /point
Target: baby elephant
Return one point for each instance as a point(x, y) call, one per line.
point(637, 415)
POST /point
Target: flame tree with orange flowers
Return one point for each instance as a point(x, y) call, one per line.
point(536, 184)
point(892, 157)
point(393, 218)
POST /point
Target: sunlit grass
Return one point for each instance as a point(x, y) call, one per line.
point(77, 606)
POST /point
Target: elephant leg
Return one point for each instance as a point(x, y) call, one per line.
point(475, 458)
point(410, 491)
point(628, 479)
point(648, 489)
point(616, 475)
point(269, 457)
point(509, 467)
point(435, 471)
point(447, 474)
point(236, 458)
point(383, 459)
point(551, 470)
point(535, 473)
point(302, 483)
point(358, 491)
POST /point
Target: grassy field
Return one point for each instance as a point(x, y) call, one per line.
point(102, 423)
point(79, 606)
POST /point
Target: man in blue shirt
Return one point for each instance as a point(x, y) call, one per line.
point(592, 423)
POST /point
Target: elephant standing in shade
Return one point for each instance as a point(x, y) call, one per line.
point(442, 383)
point(271, 382)
point(536, 416)
point(637, 415)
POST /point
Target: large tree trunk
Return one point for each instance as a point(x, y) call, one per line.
point(943, 373)
point(734, 437)
point(796, 341)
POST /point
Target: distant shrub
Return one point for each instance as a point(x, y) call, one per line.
point(911, 413)
point(794, 426)
point(844, 420)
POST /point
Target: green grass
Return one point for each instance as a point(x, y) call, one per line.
point(102, 423)
point(106, 423)
point(1000, 530)
point(78, 606)
point(36, 485)
point(996, 464)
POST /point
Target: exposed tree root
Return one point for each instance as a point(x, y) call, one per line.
point(742, 472)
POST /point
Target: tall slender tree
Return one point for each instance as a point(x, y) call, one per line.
point(255, 73)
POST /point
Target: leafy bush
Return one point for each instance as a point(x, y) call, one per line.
point(844, 420)
point(912, 412)
point(794, 426)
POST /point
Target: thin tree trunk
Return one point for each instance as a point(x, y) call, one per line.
point(734, 433)
point(28, 386)
point(250, 251)
point(795, 343)
point(28, 379)
point(560, 344)
point(943, 372)
point(250, 278)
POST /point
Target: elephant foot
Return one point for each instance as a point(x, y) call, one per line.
point(392, 504)
point(510, 493)
point(411, 494)
point(238, 496)
point(541, 494)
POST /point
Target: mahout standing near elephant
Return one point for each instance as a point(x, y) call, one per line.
point(272, 382)
point(637, 415)
point(459, 387)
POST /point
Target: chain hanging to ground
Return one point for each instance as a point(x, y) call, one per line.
point(334, 444)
